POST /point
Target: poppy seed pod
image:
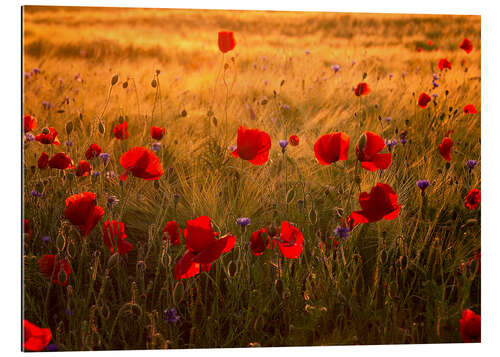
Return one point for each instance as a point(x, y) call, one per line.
point(45, 131)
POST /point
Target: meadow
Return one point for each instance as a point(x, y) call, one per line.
point(401, 280)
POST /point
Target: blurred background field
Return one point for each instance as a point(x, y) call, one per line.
point(400, 281)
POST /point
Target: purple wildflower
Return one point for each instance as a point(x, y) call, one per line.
point(283, 143)
point(232, 148)
point(112, 201)
point(51, 347)
point(434, 84)
point(471, 164)
point(46, 239)
point(388, 119)
point(341, 232)
point(171, 315)
point(308, 52)
point(104, 156)
point(243, 221)
point(423, 184)
point(390, 143)
point(30, 137)
point(335, 68)
point(69, 143)
point(156, 147)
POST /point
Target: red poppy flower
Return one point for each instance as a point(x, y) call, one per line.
point(50, 266)
point(203, 248)
point(290, 241)
point(470, 326)
point(381, 202)
point(93, 151)
point(419, 49)
point(349, 222)
point(252, 145)
point(226, 41)
point(430, 42)
point(294, 140)
point(35, 338)
point(444, 63)
point(30, 123)
point(474, 264)
point(473, 199)
point(423, 100)
point(43, 160)
point(83, 168)
point(82, 211)
point(331, 148)
point(60, 161)
point(27, 229)
point(48, 136)
point(368, 148)
point(466, 45)
point(114, 237)
point(259, 242)
point(142, 163)
point(171, 233)
point(120, 131)
point(361, 89)
point(470, 109)
point(186, 268)
point(445, 148)
point(325, 246)
point(157, 132)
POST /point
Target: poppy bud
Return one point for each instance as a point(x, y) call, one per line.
point(125, 84)
point(62, 276)
point(184, 113)
point(69, 127)
point(361, 142)
point(178, 293)
point(232, 269)
point(101, 128)
point(33, 169)
point(153, 83)
point(114, 80)
point(226, 66)
point(300, 204)
point(273, 231)
point(141, 266)
point(313, 217)
point(113, 260)
point(279, 287)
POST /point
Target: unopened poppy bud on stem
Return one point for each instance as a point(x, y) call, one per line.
point(362, 142)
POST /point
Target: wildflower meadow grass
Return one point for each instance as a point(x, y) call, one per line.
point(207, 179)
